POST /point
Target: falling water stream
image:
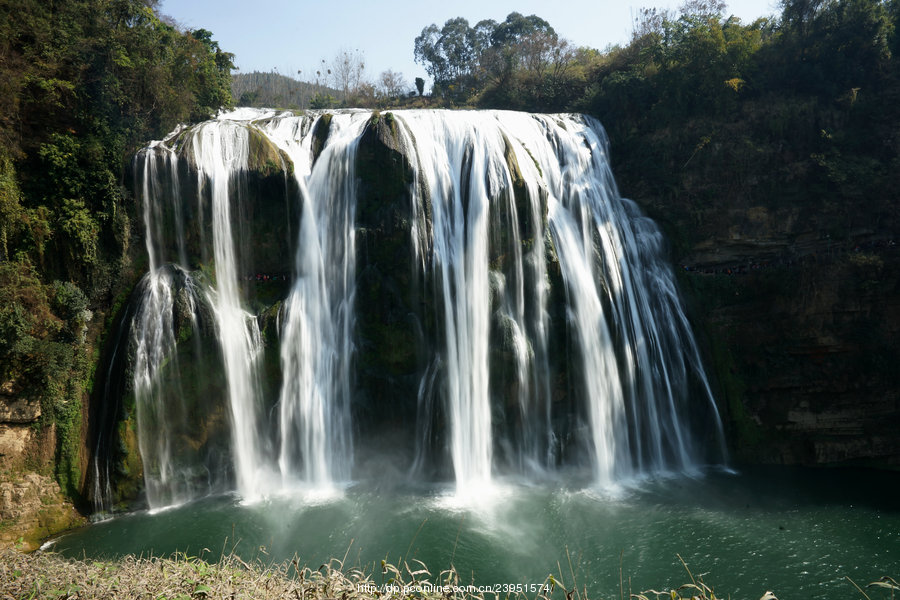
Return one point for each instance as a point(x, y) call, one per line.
point(316, 349)
point(220, 148)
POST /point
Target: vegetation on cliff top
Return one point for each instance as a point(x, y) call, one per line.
point(82, 85)
point(273, 90)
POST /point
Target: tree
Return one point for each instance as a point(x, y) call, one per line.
point(428, 53)
point(516, 27)
point(420, 85)
point(214, 73)
point(392, 84)
point(832, 47)
point(347, 71)
point(482, 34)
point(649, 22)
point(703, 9)
point(448, 53)
point(797, 15)
point(520, 62)
point(364, 96)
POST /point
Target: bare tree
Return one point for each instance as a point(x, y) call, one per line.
point(347, 71)
point(650, 21)
point(703, 9)
point(391, 84)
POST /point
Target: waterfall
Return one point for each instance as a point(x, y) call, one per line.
point(519, 314)
point(167, 476)
point(316, 346)
point(220, 149)
point(456, 163)
point(639, 340)
point(168, 304)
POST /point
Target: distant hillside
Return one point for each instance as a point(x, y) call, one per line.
point(276, 91)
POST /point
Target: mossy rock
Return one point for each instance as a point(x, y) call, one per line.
point(504, 360)
point(270, 365)
point(384, 247)
point(264, 223)
point(184, 147)
point(196, 426)
point(527, 227)
point(129, 470)
point(320, 135)
point(264, 208)
point(55, 517)
point(383, 322)
point(385, 175)
point(264, 157)
point(392, 308)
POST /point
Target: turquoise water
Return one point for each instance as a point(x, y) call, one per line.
point(796, 532)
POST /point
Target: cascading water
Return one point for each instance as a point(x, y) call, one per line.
point(168, 475)
point(220, 149)
point(507, 285)
point(316, 343)
point(638, 357)
point(167, 307)
point(630, 334)
point(457, 169)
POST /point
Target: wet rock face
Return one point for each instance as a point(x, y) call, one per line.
point(267, 209)
point(390, 316)
point(263, 209)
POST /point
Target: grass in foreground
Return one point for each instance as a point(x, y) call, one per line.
point(182, 577)
point(44, 575)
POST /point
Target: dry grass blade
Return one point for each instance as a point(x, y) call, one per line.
point(885, 582)
point(865, 595)
point(572, 572)
point(643, 595)
point(686, 568)
point(413, 574)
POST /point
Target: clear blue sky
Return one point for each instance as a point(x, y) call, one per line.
point(296, 35)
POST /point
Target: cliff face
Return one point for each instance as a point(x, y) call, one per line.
point(391, 322)
point(32, 508)
point(804, 346)
point(789, 265)
point(17, 415)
